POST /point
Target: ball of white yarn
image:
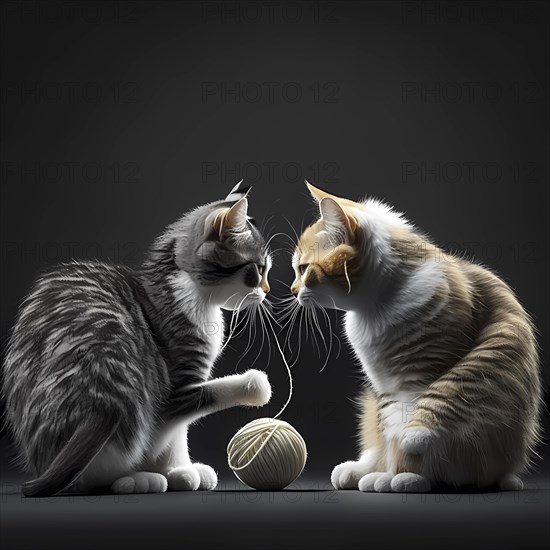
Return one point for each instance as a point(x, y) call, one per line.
point(267, 454)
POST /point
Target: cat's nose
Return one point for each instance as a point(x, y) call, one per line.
point(295, 289)
point(265, 286)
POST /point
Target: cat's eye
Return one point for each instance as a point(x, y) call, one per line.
point(302, 268)
point(261, 269)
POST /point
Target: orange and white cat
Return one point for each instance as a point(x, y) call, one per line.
point(449, 354)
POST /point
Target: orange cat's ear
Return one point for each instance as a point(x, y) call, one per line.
point(336, 212)
point(316, 193)
point(336, 219)
point(319, 195)
point(232, 220)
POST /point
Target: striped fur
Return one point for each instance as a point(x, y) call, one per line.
point(453, 391)
point(106, 367)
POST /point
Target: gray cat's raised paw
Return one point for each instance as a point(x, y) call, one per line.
point(257, 389)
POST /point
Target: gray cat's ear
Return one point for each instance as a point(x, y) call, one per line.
point(337, 220)
point(232, 220)
point(238, 192)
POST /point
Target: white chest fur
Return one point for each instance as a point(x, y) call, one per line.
point(213, 333)
point(367, 349)
point(207, 318)
point(398, 413)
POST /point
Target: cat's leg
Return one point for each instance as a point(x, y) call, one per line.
point(348, 474)
point(467, 427)
point(251, 389)
point(115, 468)
point(398, 474)
point(174, 462)
point(404, 475)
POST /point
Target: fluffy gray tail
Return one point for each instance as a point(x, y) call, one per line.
point(84, 445)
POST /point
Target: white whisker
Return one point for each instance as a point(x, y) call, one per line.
point(232, 323)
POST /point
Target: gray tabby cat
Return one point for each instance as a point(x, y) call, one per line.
point(107, 367)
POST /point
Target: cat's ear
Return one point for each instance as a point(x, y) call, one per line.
point(319, 195)
point(231, 220)
point(239, 191)
point(316, 193)
point(337, 220)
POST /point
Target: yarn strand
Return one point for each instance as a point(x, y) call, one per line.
point(250, 447)
point(268, 453)
point(290, 381)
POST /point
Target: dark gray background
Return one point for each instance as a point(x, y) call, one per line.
point(117, 117)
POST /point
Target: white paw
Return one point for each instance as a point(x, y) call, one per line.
point(209, 478)
point(257, 390)
point(510, 482)
point(140, 482)
point(348, 474)
point(183, 478)
point(376, 482)
point(416, 441)
point(410, 483)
